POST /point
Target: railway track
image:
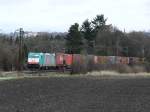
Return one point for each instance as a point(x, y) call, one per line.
point(46, 71)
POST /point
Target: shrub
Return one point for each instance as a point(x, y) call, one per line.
point(123, 69)
point(137, 69)
point(79, 68)
point(89, 66)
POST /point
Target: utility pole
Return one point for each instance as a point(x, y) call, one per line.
point(20, 51)
point(143, 52)
point(117, 47)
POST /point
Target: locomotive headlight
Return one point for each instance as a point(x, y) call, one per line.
point(33, 60)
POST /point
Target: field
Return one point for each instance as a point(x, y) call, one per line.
point(75, 94)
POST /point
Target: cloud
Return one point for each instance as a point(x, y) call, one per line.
point(58, 15)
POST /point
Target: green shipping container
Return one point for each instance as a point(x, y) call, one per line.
point(49, 60)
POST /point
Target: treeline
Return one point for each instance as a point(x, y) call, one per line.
point(92, 37)
point(96, 37)
point(9, 49)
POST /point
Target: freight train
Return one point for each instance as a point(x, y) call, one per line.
point(62, 60)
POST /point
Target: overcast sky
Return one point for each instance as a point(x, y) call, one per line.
point(58, 15)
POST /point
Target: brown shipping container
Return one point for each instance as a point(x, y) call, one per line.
point(105, 59)
point(102, 59)
point(99, 59)
point(125, 60)
point(141, 60)
point(118, 60)
point(59, 59)
point(122, 60)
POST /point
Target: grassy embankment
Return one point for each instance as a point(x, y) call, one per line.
point(101, 74)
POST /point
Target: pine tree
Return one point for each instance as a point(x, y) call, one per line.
point(74, 41)
point(87, 32)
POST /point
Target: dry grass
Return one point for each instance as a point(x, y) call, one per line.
point(115, 71)
point(20, 75)
point(114, 74)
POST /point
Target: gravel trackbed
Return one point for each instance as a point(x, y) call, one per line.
point(75, 94)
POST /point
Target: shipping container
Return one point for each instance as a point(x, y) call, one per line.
point(125, 60)
point(49, 60)
point(136, 60)
point(60, 59)
point(77, 58)
point(141, 60)
point(102, 59)
point(68, 59)
point(95, 59)
point(122, 60)
point(111, 60)
point(133, 60)
point(118, 60)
